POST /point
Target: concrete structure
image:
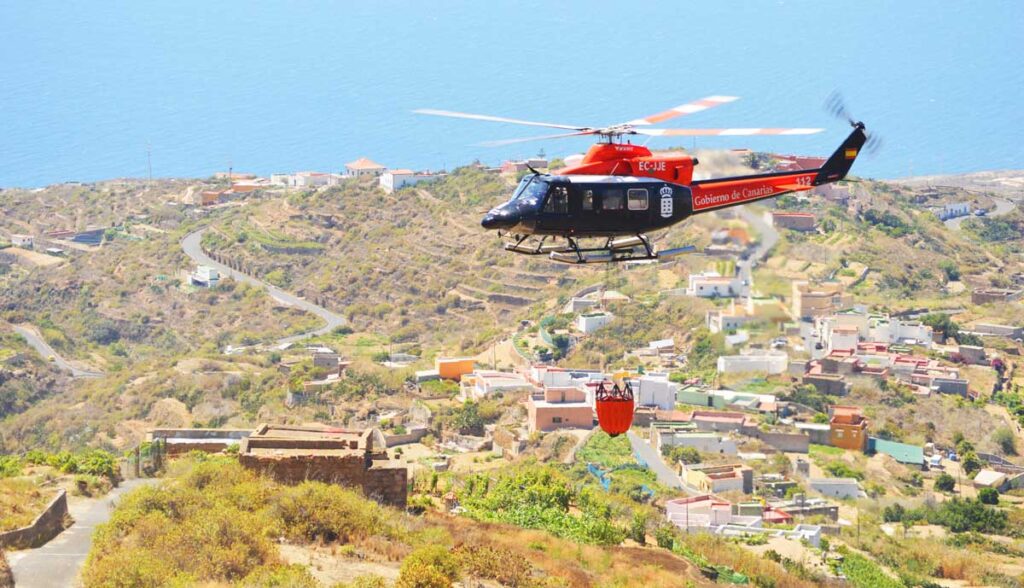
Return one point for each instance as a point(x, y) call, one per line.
point(848, 428)
point(23, 241)
point(718, 478)
point(990, 295)
point(797, 221)
point(306, 179)
point(575, 305)
point(364, 167)
point(292, 454)
point(481, 384)
point(453, 368)
point(655, 390)
point(996, 330)
point(686, 435)
point(181, 441)
point(714, 285)
point(752, 309)
point(396, 179)
point(47, 525)
point(588, 323)
point(972, 354)
point(711, 515)
point(817, 433)
point(811, 301)
point(559, 408)
point(836, 487)
point(766, 363)
point(987, 478)
point(205, 277)
point(954, 210)
point(514, 167)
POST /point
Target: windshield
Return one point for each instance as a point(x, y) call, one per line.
point(530, 187)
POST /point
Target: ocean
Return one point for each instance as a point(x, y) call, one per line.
point(90, 88)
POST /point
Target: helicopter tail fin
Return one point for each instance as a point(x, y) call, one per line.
point(842, 160)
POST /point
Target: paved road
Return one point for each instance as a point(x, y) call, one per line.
point(56, 564)
point(769, 237)
point(1003, 206)
point(191, 245)
point(653, 460)
point(43, 348)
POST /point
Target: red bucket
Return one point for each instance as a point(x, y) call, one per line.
point(614, 408)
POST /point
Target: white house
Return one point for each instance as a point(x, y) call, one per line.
point(769, 363)
point(712, 285)
point(396, 179)
point(954, 210)
point(588, 323)
point(705, 441)
point(306, 179)
point(481, 384)
point(364, 167)
point(205, 276)
point(23, 241)
point(895, 330)
point(836, 487)
point(655, 390)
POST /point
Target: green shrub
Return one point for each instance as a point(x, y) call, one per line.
point(290, 576)
point(945, 483)
point(988, 496)
point(10, 466)
point(315, 510)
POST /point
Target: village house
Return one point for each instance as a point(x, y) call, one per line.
point(752, 309)
point(483, 383)
point(714, 479)
point(23, 241)
point(294, 454)
point(514, 167)
point(453, 368)
point(396, 179)
point(559, 408)
point(654, 390)
point(364, 167)
point(687, 435)
point(848, 428)
point(590, 322)
point(709, 514)
point(797, 221)
point(812, 301)
point(760, 362)
point(836, 487)
point(205, 277)
point(711, 284)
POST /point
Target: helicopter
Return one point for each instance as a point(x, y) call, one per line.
point(619, 192)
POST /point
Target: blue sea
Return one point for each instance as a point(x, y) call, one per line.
point(86, 88)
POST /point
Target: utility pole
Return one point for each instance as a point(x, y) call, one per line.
point(149, 163)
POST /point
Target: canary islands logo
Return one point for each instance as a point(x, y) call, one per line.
point(666, 202)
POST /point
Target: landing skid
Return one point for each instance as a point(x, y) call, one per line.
point(637, 248)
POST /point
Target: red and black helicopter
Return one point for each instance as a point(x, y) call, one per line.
point(619, 191)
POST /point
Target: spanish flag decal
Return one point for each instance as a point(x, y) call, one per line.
point(851, 153)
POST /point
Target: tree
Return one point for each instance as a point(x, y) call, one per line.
point(687, 455)
point(951, 270)
point(971, 463)
point(468, 420)
point(945, 483)
point(988, 496)
point(665, 535)
point(638, 528)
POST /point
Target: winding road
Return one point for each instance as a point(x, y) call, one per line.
point(56, 564)
point(36, 341)
point(191, 245)
point(1003, 206)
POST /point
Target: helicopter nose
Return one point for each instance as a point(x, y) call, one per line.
point(499, 220)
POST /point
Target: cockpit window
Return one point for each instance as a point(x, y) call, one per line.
point(530, 186)
point(558, 201)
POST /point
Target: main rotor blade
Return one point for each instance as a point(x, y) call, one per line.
point(488, 117)
point(723, 132)
point(684, 109)
point(540, 138)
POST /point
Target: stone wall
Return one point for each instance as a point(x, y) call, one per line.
point(46, 526)
point(379, 479)
point(780, 441)
point(412, 436)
